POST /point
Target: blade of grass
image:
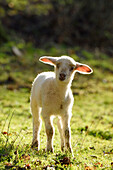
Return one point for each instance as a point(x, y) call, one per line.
point(7, 139)
point(5, 122)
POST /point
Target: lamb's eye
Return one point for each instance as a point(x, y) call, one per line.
point(72, 68)
point(58, 65)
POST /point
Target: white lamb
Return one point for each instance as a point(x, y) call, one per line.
point(51, 96)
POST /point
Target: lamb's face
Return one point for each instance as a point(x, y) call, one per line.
point(65, 67)
point(64, 70)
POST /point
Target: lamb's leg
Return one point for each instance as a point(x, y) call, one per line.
point(36, 125)
point(60, 128)
point(67, 132)
point(49, 132)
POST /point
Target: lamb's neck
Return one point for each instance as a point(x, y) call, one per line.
point(63, 88)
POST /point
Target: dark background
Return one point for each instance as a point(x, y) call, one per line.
point(84, 23)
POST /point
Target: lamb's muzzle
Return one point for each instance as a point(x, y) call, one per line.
point(62, 76)
point(51, 95)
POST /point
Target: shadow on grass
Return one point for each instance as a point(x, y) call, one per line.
point(97, 133)
point(21, 156)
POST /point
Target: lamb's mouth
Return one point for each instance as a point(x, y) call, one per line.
point(62, 77)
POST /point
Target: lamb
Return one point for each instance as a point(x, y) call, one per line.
point(51, 95)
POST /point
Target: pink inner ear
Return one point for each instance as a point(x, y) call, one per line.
point(83, 69)
point(46, 60)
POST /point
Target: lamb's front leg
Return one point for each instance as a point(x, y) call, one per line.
point(67, 131)
point(36, 125)
point(49, 132)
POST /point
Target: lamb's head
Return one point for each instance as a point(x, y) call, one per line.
point(65, 67)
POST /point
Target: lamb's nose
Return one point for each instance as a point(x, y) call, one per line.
point(62, 76)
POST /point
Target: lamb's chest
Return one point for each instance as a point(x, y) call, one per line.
point(54, 101)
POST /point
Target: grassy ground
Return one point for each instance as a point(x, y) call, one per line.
point(91, 123)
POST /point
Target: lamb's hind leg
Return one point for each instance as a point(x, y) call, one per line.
point(49, 133)
point(36, 124)
point(60, 128)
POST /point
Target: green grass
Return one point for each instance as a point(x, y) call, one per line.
point(91, 123)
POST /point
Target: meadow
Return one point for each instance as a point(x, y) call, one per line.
point(92, 118)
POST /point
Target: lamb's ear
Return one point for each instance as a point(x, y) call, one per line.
point(83, 68)
point(48, 60)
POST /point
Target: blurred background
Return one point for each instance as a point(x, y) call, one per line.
point(30, 29)
point(83, 23)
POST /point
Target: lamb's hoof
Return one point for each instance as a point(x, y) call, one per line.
point(34, 145)
point(69, 150)
point(62, 148)
point(50, 150)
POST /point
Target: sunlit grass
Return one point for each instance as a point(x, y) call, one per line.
point(91, 123)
